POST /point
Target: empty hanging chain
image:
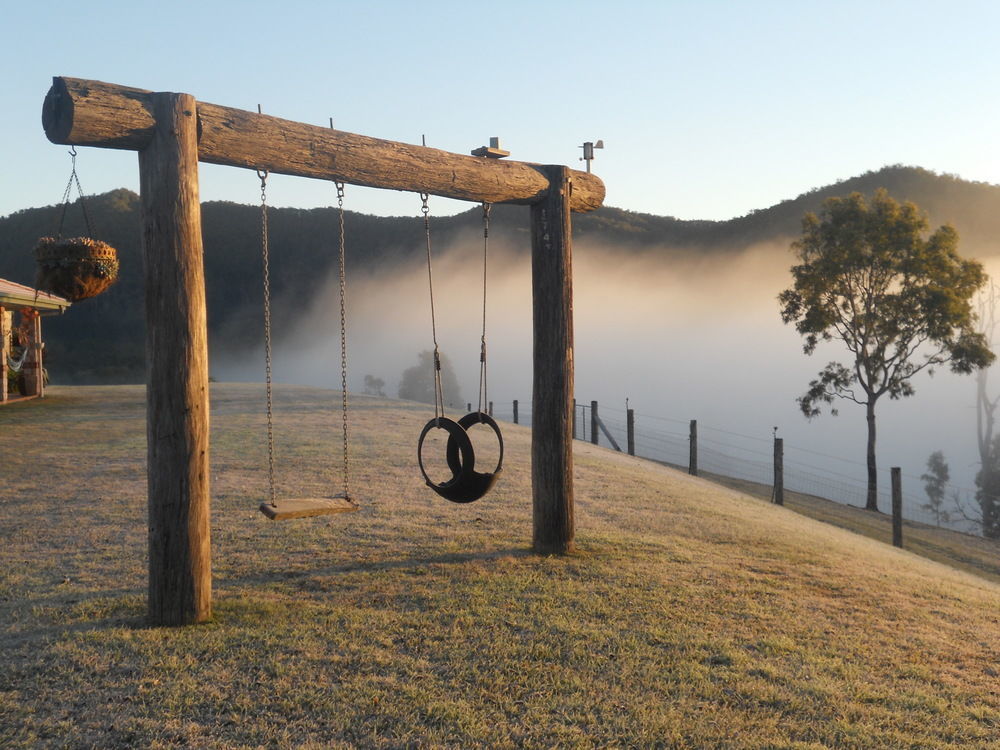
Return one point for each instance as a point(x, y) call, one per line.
point(483, 394)
point(265, 258)
point(73, 179)
point(438, 391)
point(343, 330)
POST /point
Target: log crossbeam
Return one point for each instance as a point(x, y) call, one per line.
point(79, 112)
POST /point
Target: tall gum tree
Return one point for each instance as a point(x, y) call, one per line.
point(900, 302)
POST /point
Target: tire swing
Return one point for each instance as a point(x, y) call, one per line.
point(285, 508)
point(466, 484)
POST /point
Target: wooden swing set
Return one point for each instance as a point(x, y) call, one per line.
point(172, 132)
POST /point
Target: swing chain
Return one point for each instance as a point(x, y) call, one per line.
point(73, 179)
point(438, 390)
point(483, 395)
point(343, 330)
point(265, 261)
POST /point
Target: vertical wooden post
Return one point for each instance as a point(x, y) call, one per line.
point(779, 471)
point(693, 449)
point(32, 367)
point(177, 421)
point(630, 425)
point(552, 395)
point(897, 507)
point(593, 422)
point(5, 322)
point(515, 411)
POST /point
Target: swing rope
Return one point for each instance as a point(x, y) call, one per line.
point(438, 391)
point(73, 179)
point(266, 263)
point(483, 395)
point(343, 329)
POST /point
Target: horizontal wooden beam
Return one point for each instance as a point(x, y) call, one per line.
point(92, 113)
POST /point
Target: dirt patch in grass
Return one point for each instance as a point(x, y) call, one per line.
point(692, 615)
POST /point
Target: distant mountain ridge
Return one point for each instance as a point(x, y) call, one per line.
point(102, 340)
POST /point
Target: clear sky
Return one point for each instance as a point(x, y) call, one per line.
point(708, 109)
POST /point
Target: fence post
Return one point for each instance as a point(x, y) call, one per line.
point(693, 449)
point(515, 411)
point(630, 424)
point(593, 422)
point(897, 507)
point(468, 407)
point(779, 471)
point(490, 412)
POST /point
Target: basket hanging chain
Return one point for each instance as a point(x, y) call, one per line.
point(343, 330)
point(438, 391)
point(483, 394)
point(73, 179)
point(265, 262)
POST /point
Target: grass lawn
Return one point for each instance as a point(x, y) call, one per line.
point(692, 615)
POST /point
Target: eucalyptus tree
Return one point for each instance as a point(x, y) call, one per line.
point(899, 301)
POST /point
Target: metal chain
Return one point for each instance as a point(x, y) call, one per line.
point(438, 391)
point(266, 263)
point(343, 329)
point(483, 394)
point(73, 179)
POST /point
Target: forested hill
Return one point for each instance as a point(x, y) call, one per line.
point(102, 339)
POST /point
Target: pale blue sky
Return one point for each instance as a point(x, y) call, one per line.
point(707, 109)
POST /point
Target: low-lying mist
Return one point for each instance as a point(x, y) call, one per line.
point(680, 337)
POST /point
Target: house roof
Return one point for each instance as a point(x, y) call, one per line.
point(20, 296)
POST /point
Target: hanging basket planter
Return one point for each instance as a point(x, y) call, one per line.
point(75, 268)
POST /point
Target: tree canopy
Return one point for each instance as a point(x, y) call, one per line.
point(898, 301)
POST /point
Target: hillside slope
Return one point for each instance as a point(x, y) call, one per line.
point(102, 340)
point(692, 616)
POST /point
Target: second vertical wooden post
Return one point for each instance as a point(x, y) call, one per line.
point(552, 399)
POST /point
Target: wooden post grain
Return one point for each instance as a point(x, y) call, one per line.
point(177, 421)
point(693, 449)
point(897, 506)
point(5, 325)
point(630, 425)
point(552, 398)
point(779, 471)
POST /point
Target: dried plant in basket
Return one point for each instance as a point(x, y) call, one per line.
point(76, 268)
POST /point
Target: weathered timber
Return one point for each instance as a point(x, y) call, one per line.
point(897, 506)
point(306, 507)
point(693, 448)
point(779, 471)
point(92, 113)
point(630, 430)
point(552, 404)
point(177, 417)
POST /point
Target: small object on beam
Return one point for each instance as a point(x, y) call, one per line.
point(304, 507)
point(493, 151)
point(588, 152)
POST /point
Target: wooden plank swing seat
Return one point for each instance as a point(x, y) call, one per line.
point(305, 507)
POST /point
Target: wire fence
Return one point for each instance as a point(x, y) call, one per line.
point(751, 458)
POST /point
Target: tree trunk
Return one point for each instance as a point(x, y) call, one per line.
point(871, 500)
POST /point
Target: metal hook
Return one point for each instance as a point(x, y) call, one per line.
point(72, 151)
